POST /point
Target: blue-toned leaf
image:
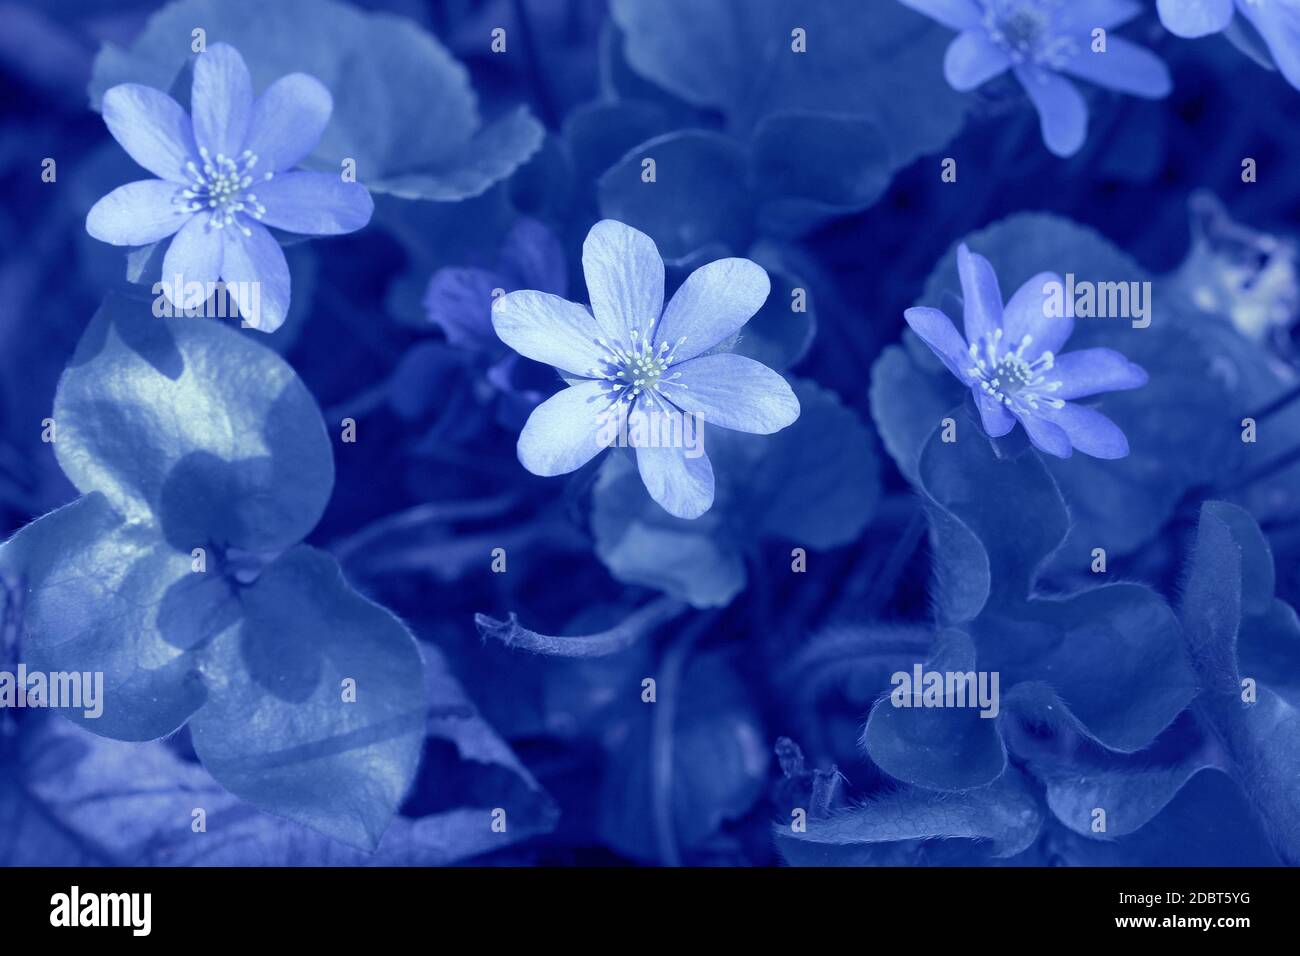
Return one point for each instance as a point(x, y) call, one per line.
point(94, 589)
point(1011, 504)
point(827, 456)
point(878, 61)
point(545, 186)
point(600, 133)
point(1260, 731)
point(1132, 789)
point(202, 456)
point(1112, 657)
point(492, 154)
point(434, 235)
point(183, 422)
point(961, 578)
point(31, 834)
point(864, 653)
point(700, 195)
point(403, 107)
point(1208, 823)
point(1116, 504)
point(943, 748)
point(1004, 816)
point(763, 485)
point(812, 167)
point(279, 728)
point(714, 754)
point(778, 335)
point(1268, 649)
point(85, 799)
point(1212, 603)
point(907, 404)
point(641, 543)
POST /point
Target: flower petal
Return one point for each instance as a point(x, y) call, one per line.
point(194, 256)
point(625, 280)
point(563, 433)
point(136, 214)
point(957, 14)
point(973, 59)
point(221, 100)
point(1086, 17)
point(683, 486)
point(534, 257)
point(1194, 18)
point(995, 418)
point(153, 129)
point(314, 204)
point(1279, 25)
point(287, 121)
point(1046, 436)
point(712, 305)
point(1032, 311)
point(257, 263)
point(1062, 112)
point(982, 299)
point(1113, 13)
point(1089, 430)
point(735, 392)
point(1092, 371)
point(1125, 67)
point(548, 329)
point(937, 331)
point(459, 301)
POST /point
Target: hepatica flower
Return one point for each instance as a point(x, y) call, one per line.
point(459, 298)
point(1276, 21)
point(642, 375)
point(1009, 359)
point(223, 178)
point(1044, 42)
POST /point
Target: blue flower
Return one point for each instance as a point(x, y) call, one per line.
point(633, 364)
point(1009, 361)
point(223, 180)
point(459, 298)
point(1276, 21)
point(459, 301)
point(1040, 40)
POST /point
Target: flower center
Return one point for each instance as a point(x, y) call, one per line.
point(1026, 29)
point(638, 367)
point(1008, 378)
point(221, 188)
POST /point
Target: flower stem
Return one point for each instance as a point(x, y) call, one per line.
point(620, 637)
point(432, 512)
point(1266, 470)
point(1277, 404)
point(671, 670)
point(363, 403)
